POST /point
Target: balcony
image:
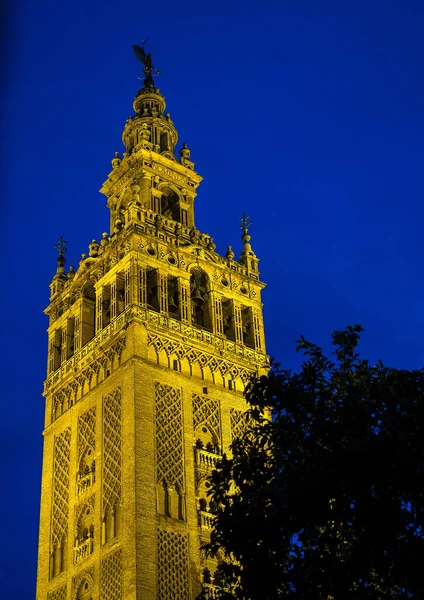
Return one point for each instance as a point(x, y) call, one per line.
point(206, 460)
point(83, 549)
point(85, 482)
point(206, 520)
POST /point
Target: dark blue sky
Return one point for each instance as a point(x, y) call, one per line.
point(307, 115)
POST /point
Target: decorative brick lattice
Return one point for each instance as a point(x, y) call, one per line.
point(60, 501)
point(111, 581)
point(112, 452)
point(169, 436)
point(57, 594)
point(224, 367)
point(173, 576)
point(206, 412)
point(86, 431)
point(67, 396)
point(238, 422)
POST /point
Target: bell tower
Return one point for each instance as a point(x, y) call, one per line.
point(151, 341)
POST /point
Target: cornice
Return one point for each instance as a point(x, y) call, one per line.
point(159, 324)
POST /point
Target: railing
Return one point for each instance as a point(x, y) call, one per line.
point(162, 321)
point(205, 459)
point(206, 520)
point(85, 482)
point(72, 364)
point(83, 550)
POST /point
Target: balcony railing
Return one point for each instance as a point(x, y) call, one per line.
point(85, 482)
point(163, 321)
point(205, 459)
point(83, 549)
point(206, 520)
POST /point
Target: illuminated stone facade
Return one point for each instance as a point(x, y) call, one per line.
point(151, 341)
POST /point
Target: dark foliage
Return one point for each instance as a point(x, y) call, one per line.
point(325, 501)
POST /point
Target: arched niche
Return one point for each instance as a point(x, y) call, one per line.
point(170, 204)
point(206, 439)
point(204, 500)
point(87, 463)
point(201, 313)
point(84, 588)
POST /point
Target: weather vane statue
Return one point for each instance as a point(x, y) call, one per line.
point(61, 249)
point(146, 59)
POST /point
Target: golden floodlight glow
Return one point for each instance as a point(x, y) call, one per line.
point(151, 341)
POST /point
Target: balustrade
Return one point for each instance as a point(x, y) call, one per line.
point(206, 520)
point(206, 460)
point(83, 549)
point(85, 482)
point(163, 322)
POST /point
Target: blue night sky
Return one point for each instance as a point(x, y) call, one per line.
point(307, 115)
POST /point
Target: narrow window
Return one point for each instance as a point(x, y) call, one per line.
point(247, 327)
point(152, 289)
point(228, 319)
point(57, 348)
point(120, 294)
point(200, 300)
point(173, 298)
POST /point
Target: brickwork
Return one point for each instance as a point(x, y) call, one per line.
point(151, 343)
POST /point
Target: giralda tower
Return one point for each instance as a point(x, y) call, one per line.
point(151, 341)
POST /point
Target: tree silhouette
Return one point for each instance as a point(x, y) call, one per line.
point(323, 497)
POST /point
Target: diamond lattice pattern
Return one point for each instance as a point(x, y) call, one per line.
point(238, 422)
point(86, 431)
point(112, 452)
point(173, 582)
point(112, 576)
point(206, 412)
point(169, 436)
point(57, 594)
point(60, 505)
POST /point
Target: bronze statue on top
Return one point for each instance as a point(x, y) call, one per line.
point(146, 59)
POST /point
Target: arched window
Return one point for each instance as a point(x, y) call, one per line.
point(173, 297)
point(247, 326)
point(170, 205)
point(88, 320)
point(152, 289)
point(111, 522)
point(228, 320)
point(205, 439)
point(200, 299)
point(205, 502)
point(86, 475)
point(163, 501)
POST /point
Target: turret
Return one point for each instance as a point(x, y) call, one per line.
point(149, 183)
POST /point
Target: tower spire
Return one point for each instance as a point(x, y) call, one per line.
point(61, 249)
point(247, 257)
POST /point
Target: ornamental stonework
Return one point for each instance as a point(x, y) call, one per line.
point(152, 339)
point(112, 450)
point(169, 436)
point(111, 576)
point(60, 504)
point(173, 573)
